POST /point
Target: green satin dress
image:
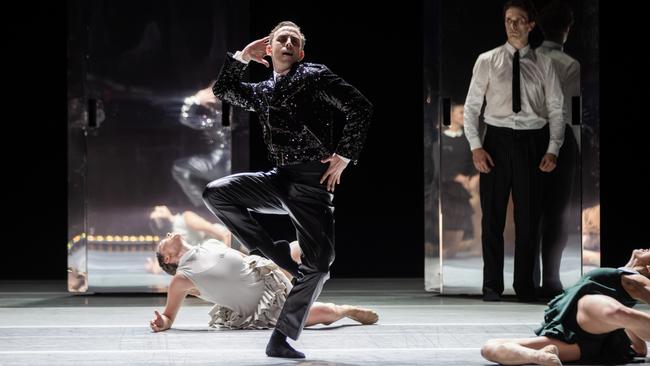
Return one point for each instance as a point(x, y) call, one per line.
point(560, 318)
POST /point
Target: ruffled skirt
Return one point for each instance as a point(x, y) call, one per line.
point(276, 289)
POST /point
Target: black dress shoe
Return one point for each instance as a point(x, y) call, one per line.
point(527, 298)
point(549, 292)
point(489, 295)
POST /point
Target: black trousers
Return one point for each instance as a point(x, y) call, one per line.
point(558, 189)
point(292, 190)
point(516, 155)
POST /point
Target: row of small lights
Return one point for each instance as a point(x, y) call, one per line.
point(124, 238)
point(112, 238)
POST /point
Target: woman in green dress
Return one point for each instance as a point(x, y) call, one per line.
point(590, 322)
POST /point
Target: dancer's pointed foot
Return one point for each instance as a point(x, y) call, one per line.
point(363, 316)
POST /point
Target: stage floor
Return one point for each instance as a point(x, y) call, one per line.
point(41, 324)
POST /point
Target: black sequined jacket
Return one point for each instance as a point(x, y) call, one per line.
point(297, 112)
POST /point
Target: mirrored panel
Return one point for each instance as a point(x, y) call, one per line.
point(76, 149)
point(432, 264)
point(76, 246)
point(465, 30)
point(153, 134)
point(460, 204)
point(590, 136)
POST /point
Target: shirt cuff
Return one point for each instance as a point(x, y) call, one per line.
point(238, 56)
point(475, 143)
point(346, 160)
point(553, 149)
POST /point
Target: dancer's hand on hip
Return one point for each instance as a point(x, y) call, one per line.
point(332, 176)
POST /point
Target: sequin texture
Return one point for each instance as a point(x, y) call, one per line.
point(297, 112)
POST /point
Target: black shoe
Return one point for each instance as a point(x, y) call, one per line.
point(549, 292)
point(489, 295)
point(527, 298)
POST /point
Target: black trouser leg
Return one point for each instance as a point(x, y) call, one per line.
point(527, 190)
point(293, 190)
point(557, 202)
point(230, 199)
point(312, 213)
point(495, 191)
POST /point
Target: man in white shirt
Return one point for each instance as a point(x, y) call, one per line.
point(555, 21)
point(523, 138)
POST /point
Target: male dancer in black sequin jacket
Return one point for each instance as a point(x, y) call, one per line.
point(296, 108)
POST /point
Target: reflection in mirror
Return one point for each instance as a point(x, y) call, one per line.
point(549, 253)
point(189, 150)
point(560, 225)
point(459, 190)
point(590, 238)
point(76, 246)
point(590, 133)
point(193, 228)
point(459, 202)
point(432, 259)
point(151, 134)
point(77, 274)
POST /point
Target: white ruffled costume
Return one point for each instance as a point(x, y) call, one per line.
point(248, 292)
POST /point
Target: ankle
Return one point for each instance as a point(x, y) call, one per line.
point(278, 336)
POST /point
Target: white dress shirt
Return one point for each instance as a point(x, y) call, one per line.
point(568, 70)
point(541, 95)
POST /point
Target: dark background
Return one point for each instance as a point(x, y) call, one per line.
point(380, 204)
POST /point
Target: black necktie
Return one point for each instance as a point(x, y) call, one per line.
point(516, 90)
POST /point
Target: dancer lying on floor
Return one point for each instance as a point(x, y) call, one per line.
point(590, 322)
point(248, 291)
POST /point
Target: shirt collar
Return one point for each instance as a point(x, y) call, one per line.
point(275, 75)
point(522, 52)
point(451, 133)
point(185, 257)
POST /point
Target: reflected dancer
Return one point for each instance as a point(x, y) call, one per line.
point(556, 20)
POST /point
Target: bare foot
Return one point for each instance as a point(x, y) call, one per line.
point(361, 315)
point(551, 348)
point(549, 356)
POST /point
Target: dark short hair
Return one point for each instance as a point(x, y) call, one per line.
point(169, 268)
point(555, 18)
point(455, 102)
point(525, 5)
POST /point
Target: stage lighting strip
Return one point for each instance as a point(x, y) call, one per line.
point(98, 240)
